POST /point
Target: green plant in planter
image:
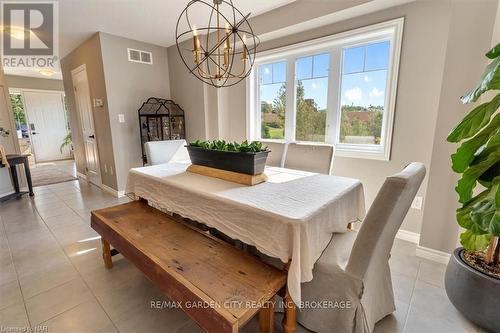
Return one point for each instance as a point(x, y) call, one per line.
point(243, 147)
point(67, 141)
point(477, 159)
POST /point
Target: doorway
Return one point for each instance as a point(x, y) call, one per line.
point(43, 132)
point(47, 124)
point(21, 123)
point(42, 128)
point(84, 110)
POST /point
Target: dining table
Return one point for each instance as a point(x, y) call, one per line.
point(292, 216)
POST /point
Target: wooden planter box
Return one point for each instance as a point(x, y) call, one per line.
point(247, 163)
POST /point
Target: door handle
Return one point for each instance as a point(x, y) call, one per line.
point(34, 133)
point(91, 136)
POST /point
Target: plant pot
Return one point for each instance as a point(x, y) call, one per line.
point(473, 293)
point(247, 163)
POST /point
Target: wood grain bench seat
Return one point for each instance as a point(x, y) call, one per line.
point(217, 285)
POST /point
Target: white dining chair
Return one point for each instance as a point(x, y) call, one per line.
point(354, 268)
point(309, 157)
point(159, 152)
point(275, 157)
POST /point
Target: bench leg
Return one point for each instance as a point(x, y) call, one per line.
point(266, 317)
point(290, 318)
point(106, 254)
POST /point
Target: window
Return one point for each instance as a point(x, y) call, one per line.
point(364, 78)
point(339, 89)
point(310, 97)
point(272, 100)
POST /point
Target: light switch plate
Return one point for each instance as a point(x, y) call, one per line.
point(417, 203)
point(121, 118)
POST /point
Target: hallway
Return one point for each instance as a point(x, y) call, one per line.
point(53, 172)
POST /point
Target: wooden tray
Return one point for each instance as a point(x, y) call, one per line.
point(230, 176)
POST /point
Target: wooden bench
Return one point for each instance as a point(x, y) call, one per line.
point(191, 267)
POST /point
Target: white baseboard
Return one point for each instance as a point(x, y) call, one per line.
point(433, 255)
point(112, 191)
point(408, 236)
point(6, 194)
point(81, 175)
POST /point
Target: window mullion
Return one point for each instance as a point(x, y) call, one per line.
point(333, 99)
point(290, 100)
point(253, 103)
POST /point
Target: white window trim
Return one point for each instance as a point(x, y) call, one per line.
point(390, 30)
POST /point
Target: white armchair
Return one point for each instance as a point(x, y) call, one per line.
point(309, 157)
point(276, 156)
point(159, 152)
point(355, 266)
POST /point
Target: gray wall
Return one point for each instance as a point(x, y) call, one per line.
point(425, 52)
point(467, 42)
point(123, 86)
point(188, 92)
point(89, 53)
point(128, 85)
point(25, 82)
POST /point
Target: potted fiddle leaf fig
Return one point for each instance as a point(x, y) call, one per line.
point(245, 157)
point(472, 277)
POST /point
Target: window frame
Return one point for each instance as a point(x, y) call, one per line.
point(391, 31)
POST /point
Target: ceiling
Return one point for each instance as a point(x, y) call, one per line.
point(154, 21)
point(151, 21)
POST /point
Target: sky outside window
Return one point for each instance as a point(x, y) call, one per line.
point(365, 74)
point(364, 79)
point(363, 89)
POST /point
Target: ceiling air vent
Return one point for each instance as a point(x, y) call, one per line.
point(142, 57)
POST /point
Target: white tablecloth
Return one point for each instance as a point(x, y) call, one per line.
point(291, 216)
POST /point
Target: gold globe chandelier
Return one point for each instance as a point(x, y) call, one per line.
point(222, 51)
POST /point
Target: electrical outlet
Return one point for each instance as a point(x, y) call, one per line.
point(121, 118)
point(105, 168)
point(417, 203)
point(111, 170)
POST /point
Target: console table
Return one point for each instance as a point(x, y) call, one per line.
point(15, 159)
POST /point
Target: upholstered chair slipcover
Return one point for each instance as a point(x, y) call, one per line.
point(275, 157)
point(310, 157)
point(354, 268)
point(159, 152)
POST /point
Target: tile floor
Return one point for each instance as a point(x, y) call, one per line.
point(52, 277)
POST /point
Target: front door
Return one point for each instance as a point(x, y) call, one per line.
point(84, 108)
point(47, 124)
